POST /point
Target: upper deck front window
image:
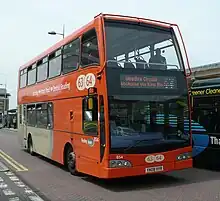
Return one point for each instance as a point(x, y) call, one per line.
point(141, 46)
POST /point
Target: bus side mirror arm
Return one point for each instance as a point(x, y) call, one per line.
point(99, 74)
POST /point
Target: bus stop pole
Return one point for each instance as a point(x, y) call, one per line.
point(5, 103)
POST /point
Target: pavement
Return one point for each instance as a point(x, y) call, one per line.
point(50, 181)
point(9, 129)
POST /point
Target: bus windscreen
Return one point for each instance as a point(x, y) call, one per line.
point(145, 126)
point(135, 45)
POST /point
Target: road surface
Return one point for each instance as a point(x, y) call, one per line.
point(13, 189)
point(51, 182)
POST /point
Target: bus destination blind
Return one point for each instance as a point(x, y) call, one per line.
point(148, 82)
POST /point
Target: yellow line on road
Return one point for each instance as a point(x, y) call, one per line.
point(12, 162)
point(9, 162)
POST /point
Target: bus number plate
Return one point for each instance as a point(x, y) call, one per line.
point(154, 169)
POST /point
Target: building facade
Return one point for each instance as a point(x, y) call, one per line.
point(206, 71)
point(4, 103)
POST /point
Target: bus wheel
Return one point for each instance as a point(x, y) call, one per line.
point(71, 162)
point(30, 146)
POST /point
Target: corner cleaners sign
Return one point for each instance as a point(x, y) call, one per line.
point(207, 91)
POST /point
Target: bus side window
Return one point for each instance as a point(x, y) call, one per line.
point(71, 56)
point(90, 51)
point(31, 115)
point(41, 112)
point(90, 115)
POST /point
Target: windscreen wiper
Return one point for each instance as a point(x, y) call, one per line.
point(135, 144)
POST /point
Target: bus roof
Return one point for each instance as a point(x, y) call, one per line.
point(213, 82)
point(56, 46)
point(80, 31)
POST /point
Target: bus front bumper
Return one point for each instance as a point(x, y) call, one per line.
point(156, 168)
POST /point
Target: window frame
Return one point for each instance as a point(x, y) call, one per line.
point(43, 62)
point(81, 49)
point(48, 127)
point(22, 73)
point(33, 67)
point(78, 40)
point(56, 55)
point(35, 117)
point(40, 110)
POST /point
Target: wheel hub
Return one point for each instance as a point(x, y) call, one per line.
point(71, 160)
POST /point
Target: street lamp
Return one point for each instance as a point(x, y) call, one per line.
point(55, 33)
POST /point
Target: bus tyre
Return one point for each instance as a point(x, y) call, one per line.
point(30, 146)
point(71, 162)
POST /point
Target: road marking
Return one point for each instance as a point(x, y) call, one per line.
point(9, 162)
point(11, 193)
point(17, 166)
point(3, 168)
point(8, 192)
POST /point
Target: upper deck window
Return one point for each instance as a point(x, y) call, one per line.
point(31, 75)
point(23, 78)
point(42, 69)
point(55, 62)
point(71, 56)
point(90, 51)
point(141, 46)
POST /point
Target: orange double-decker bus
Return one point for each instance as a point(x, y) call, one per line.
point(110, 100)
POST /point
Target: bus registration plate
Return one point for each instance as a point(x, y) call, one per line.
point(154, 169)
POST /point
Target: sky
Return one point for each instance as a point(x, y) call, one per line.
point(24, 25)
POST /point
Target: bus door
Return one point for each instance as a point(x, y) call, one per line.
point(90, 142)
point(25, 122)
point(22, 125)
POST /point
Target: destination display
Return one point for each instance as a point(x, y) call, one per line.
point(148, 81)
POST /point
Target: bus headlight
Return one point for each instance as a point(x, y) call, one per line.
point(184, 156)
point(119, 163)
